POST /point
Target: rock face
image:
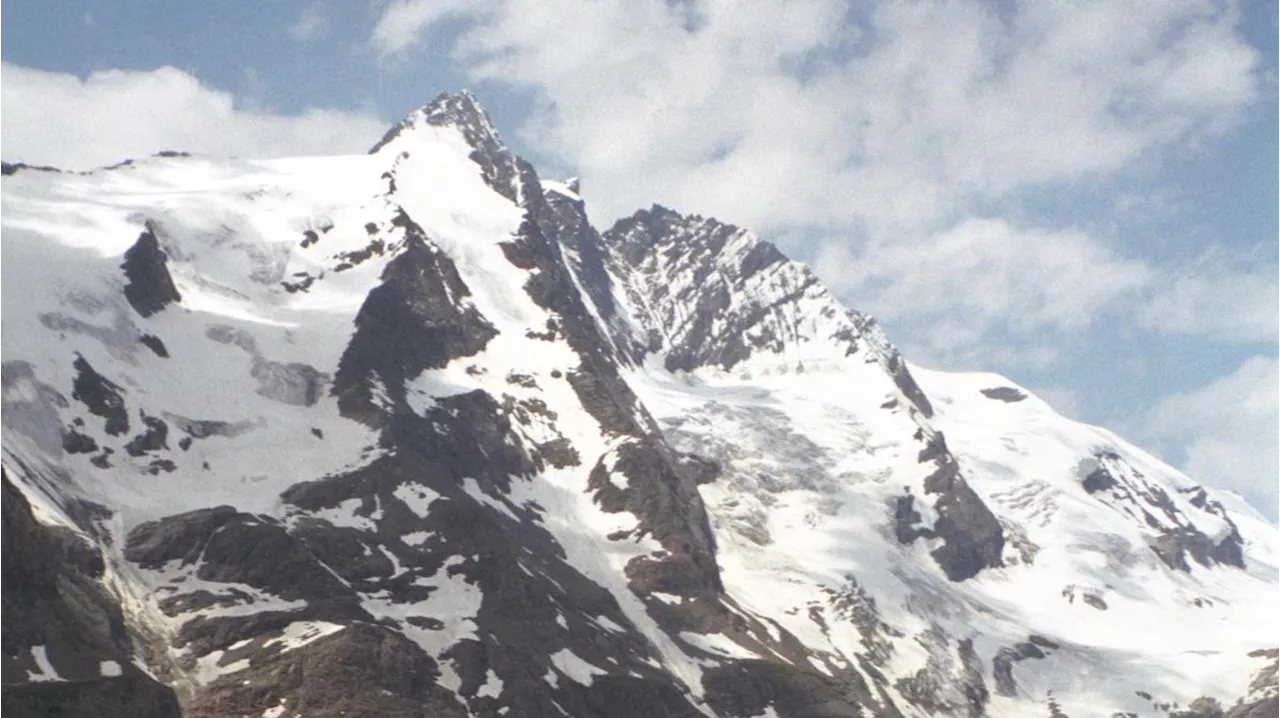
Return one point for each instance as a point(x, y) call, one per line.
point(424, 442)
point(712, 294)
point(67, 649)
point(150, 286)
point(1182, 525)
point(972, 538)
point(415, 320)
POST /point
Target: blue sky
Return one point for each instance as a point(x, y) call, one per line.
point(1081, 196)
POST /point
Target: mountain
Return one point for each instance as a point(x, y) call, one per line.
point(403, 434)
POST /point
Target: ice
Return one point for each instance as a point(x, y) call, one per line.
point(609, 624)
point(109, 669)
point(717, 644)
point(209, 667)
point(568, 663)
point(474, 491)
point(44, 669)
point(492, 687)
point(416, 538)
point(416, 496)
point(300, 633)
point(344, 514)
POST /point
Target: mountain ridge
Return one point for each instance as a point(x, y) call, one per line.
point(539, 469)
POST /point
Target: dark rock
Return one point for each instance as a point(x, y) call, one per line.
point(1099, 480)
point(12, 168)
point(1176, 537)
point(559, 453)
point(158, 465)
point(663, 248)
point(150, 287)
point(1094, 600)
point(73, 442)
point(103, 460)
point(179, 537)
point(100, 396)
point(134, 694)
point(354, 258)
point(972, 536)
point(1007, 394)
point(266, 556)
point(408, 323)
point(204, 428)
point(667, 243)
point(697, 469)
point(585, 253)
point(1042, 642)
point(747, 688)
point(928, 687)
point(631, 697)
point(1261, 708)
point(1003, 662)
point(153, 439)
point(975, 688)
point(153, 343)
point(362, 670)
point(670, 510)
point(52, 598)
point(1201, 708)
point(233, 547)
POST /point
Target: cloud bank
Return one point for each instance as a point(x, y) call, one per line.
point(72, 123)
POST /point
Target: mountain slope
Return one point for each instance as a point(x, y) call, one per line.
point(403, 434)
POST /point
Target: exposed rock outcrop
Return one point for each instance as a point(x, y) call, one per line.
point(150, 287)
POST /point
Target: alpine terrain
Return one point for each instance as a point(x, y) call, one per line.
point(403, 434)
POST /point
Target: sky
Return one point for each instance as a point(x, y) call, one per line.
point(1079, 195)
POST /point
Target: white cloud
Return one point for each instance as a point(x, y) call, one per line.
point(1215, 300)
point(73, 123)
point(777, 113)
point(969, 286)
point(402, 23)
point(1228, 430)
point(311, 23)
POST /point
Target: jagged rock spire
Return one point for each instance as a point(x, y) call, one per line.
point(502, 170)
point(457, 109)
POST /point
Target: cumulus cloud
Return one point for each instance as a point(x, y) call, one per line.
point(1227, 431)
point(775, 112)
point(1214, 299)
point(402, 23)
point(986, 279)
point(63, 120)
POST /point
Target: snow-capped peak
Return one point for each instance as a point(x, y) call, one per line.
point(451, 109)
point(710, 294)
